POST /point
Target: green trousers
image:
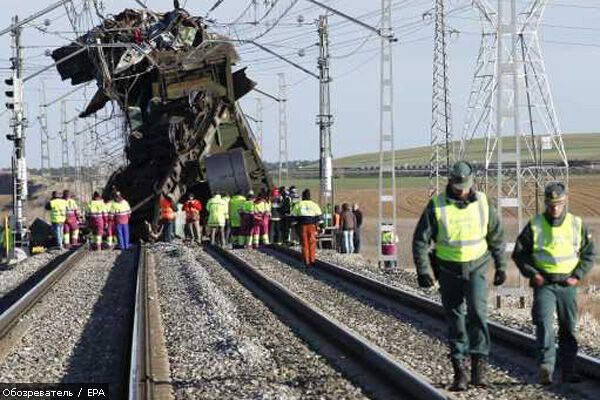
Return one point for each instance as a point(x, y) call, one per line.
point(546, 300)
point(467, 334)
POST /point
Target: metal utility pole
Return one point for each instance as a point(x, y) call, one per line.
point(387, 156)
point(259, 122)
point(44, 137)
point(325, 120)
point(18, 123)
point(64, 140)
point(441, 121)
point(283, 173)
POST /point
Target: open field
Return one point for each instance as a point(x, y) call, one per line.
point(578, 147)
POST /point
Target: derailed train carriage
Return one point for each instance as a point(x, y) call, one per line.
point(173, 81)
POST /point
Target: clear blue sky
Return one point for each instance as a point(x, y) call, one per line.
point(570, 44)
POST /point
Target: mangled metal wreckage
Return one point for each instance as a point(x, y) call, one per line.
point(174, 83)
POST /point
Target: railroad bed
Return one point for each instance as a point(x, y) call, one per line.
point(224, 343)
point(78, 332)
point(408, 336)
point(510, 314)
point(212, 323)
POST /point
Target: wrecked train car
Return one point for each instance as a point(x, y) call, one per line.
point(174, 83)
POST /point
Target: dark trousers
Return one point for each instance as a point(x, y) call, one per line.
point(168, 230)
point(546, 300)
point(357, 240)
point(276, 231)
point(122, 236)
point(467, 334)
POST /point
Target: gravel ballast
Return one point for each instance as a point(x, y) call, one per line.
point(12, 276)
point(412, 343)
point(223, 343)
point(510, 314)
point(80, 331)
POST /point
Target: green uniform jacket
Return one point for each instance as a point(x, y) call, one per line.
point(523, 253)
point(427, 230)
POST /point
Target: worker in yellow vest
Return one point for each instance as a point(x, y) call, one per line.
point(308, 217)
point(235, 220)
point(555, 251)
point(58, 215)
point(71, 226)
point(121, 212)
point(96, 214)
point(218, 211)
point(467, 234)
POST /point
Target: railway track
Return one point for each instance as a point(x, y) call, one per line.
point(524, 343)
point(67, 325)
point(378, 372)
point(415, 339)
point(148, 376)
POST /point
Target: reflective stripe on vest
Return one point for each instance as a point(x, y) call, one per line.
point(121, 208)
point(556, 248)
point(306, 208)
point(96, 208)
point(58, 211)
point(461, 232)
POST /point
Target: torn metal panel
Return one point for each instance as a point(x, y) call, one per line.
point(174, 82)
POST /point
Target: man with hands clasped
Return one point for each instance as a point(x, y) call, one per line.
point(466, 233)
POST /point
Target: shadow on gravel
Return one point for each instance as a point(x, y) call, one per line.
point(103, 349)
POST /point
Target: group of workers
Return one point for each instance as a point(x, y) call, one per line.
point(244, 221)
point(105, 218)
point(554, 251)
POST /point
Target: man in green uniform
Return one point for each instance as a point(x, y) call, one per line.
point(555, 251)
point(467, 233)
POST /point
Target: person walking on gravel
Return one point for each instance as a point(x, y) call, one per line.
point(466, 233)
point(307, 214)
point(555, 251)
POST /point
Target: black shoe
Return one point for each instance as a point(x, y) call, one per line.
point(478, 370)
point(461, 380)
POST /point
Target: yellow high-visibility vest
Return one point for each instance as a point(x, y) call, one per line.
point(556, 248)
point(58, 211)
point(96, 208)
point(461, 232)
point(306, 208)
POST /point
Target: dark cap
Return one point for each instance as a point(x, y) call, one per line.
point(555, 193)
point(461, 175)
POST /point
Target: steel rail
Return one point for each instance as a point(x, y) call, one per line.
point(404, 381)
point(516, 340)
point(140, 386)
point(13, 314)
point(148, 376)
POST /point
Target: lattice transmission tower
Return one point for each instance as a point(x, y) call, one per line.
point(511, 108)
point(441, 113)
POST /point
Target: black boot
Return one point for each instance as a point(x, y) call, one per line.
point(478, 370)
point(460, 376)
